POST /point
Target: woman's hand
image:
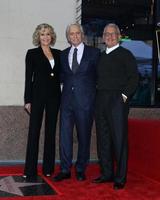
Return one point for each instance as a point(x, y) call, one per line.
point(27, 107)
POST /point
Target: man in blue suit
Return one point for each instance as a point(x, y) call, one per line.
point(78, 73)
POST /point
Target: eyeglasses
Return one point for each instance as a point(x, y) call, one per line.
point(107, 34)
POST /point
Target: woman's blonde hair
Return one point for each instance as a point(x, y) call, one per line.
point(36, 34)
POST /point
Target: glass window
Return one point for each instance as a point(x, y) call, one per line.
point(136, 22)
point(142, 50)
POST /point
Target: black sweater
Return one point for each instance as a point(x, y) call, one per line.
point(117, 71)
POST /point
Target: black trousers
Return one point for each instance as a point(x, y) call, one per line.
point(51, 108)
point(112, 134)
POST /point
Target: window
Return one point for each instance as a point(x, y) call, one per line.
point(137, 21)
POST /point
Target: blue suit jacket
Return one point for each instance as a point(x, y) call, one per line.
point(83, 83)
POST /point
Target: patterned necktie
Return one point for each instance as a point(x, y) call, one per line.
point(75, 64)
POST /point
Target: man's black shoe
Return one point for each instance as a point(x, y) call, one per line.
point(61, 176)
point(80, 176)
point(102, 179)
point(118, 186)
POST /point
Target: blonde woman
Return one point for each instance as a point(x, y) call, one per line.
point(42, 93)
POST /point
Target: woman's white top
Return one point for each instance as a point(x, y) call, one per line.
point(52, 63)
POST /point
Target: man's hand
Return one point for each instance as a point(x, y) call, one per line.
point(124, 97)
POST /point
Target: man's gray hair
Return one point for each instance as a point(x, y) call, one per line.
point(74, 24)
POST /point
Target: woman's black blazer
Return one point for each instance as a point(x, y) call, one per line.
point(41, 81)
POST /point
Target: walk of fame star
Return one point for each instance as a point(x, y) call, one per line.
point(16, 186)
